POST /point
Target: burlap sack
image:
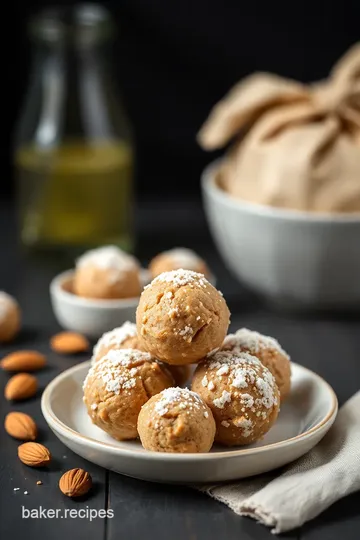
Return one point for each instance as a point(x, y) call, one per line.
point(295, 146)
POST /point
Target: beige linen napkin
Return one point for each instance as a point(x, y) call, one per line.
point(307, 487)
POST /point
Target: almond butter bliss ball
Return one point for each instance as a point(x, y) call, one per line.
point(181, 317)
point(242, 394)
point(267, 350)
point(118, 385)
point(107, 272)
point(176, 420)
point(122, 337)
point(177, 258)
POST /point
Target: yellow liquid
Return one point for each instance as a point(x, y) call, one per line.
point(76, 195)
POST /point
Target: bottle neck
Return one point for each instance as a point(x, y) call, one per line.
point(71, 94)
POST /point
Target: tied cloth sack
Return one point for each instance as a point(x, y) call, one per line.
point(296, 146)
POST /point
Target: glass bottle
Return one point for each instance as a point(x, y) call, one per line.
point(73, 152)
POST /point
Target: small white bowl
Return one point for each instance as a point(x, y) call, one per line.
point(305, 417)
point(88, 316)
point(298, 259)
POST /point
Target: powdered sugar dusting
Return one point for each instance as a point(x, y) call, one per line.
point(173, 312)
point(247, 381)
point(233, 360)
point(222, 400)
point(108, 258)
point(252, 341)
point(181, 397)
point(118, 370)
point(247, 400)
point(245, 424)
point(185, 332)
point(239, 381)
point(115, 338)
point(265, 385)
point(181, 277)
point(223, 370)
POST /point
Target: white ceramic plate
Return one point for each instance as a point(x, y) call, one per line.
point(304, 419)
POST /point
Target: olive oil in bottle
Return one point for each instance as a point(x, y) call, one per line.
point(75, 195)
point(73, 155)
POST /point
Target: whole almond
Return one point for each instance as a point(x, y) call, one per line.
point(75, 483)
point(20, 426)
point(34, 454)
point(23, 361)
point(69, 343)
point(21, 386)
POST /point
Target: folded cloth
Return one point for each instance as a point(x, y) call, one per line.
point(307, 487)
point(291, 145)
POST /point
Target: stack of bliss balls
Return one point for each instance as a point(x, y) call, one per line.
point(134, 387)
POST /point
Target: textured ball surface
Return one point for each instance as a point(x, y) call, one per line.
point(181, 317)
point(107, 273)
point(242, 394)
point(268, 351)
point(122, 337)
point(125, 337)
point(118, 385)
point(176, 420)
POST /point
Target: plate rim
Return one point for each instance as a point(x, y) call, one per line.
point(52, 420)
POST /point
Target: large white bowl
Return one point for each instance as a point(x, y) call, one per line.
point(305, 417)
point(296, 258)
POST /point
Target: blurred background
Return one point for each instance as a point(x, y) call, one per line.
point(174, 60)
point(90, 115)
point(99, 106)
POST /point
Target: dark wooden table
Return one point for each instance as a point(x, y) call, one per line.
point(327, 344)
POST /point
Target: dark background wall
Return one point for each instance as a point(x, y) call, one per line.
point(174, 59)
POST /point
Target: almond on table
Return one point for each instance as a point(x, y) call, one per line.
point(20, 426)
point(34, 454)
point(69, 343)
point(21, 386)
point(75, 483)
point(23, 361)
